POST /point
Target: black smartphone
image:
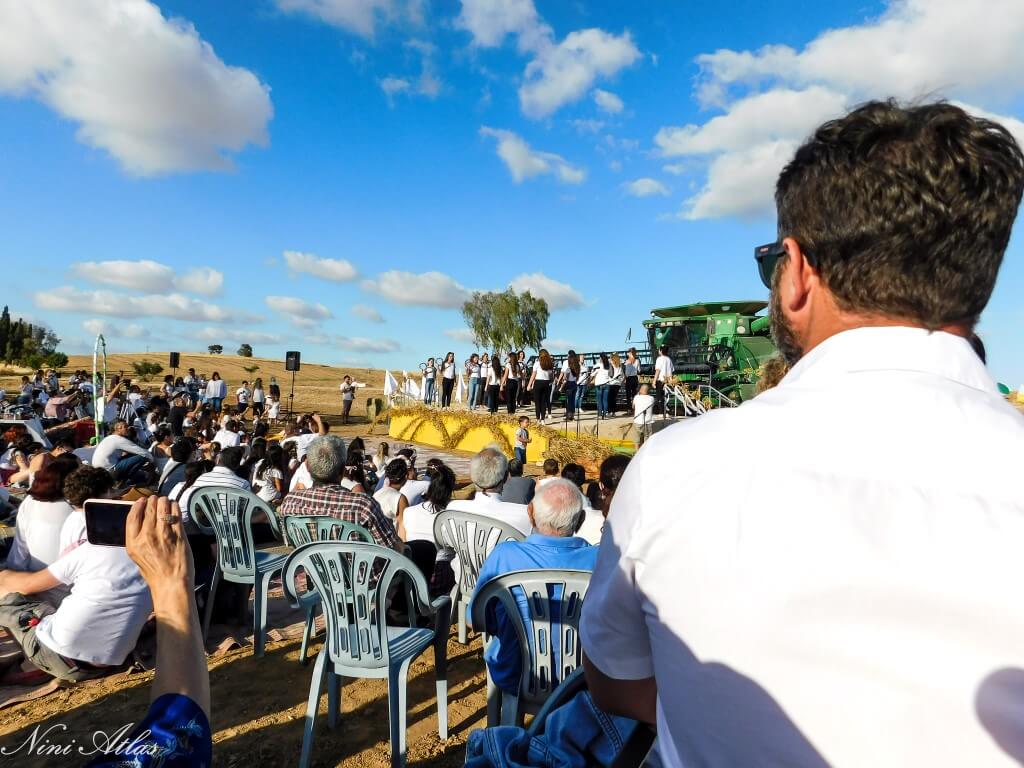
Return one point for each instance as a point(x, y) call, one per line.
point(105, 521)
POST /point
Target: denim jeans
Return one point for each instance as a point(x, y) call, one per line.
point(581, 392)
point(214, 402)
point(428, 391)
point(520, 454)
point(131, 469)
point(474, 384)
point(570, 399)
point(602, 400)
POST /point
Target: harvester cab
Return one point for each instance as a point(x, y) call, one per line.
point(717, 347)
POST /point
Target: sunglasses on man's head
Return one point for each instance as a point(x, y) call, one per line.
point(767, 257)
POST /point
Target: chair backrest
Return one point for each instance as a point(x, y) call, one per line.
point(554, 600)
point(472, 537)
point(353, 580)
point(226, 513)
point(303, 529)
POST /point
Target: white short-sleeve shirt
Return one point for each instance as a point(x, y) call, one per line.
point(539, 373)
point(663, 368)
point(849, 600)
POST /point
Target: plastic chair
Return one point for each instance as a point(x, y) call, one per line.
point(452, 530)
point(538, 642)
point(226, 513)
point(354, 581)
point(304, 529)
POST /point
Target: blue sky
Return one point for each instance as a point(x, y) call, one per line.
point(334, 175)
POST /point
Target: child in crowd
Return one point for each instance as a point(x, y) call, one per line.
point(522, 438)
point(550, 471)
point(274, 411)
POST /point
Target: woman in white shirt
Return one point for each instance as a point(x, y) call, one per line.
point(447, 379)
point(494, 377)
point(510, 382)
point(567, 381)
point(259, 398)
point(429, 381)
point(41, 517)
point(485, 363)
point(631, 374)
point(268, 478)
point(473, 374)
point(602, 377)
point(540, 385)
point(615, 383)
point(416, 523)
point(216, 391)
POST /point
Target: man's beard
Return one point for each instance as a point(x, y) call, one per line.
point(782, 332)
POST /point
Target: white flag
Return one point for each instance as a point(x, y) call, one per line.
point(412, 389)
point(460, 389)
point(390, 385)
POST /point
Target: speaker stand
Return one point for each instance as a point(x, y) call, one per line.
point(291, 397)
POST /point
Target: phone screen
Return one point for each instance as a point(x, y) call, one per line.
point(105, 521)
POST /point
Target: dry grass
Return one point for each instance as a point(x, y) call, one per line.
point(316, 386)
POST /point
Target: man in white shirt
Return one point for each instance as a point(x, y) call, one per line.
point(853, 599)
point(227, 436)
point(663, 373)
point(643, 414)
point(125, 460)
point(224, 474)
point(488, 471)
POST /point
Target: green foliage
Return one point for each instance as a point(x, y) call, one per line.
point(506, 320)
point(56, 360)
point(215, 349)
point(24, 343)
point(33, 360)
point(147, 369)
point(245, 350)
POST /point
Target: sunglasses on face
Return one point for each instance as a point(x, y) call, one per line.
point(767, 257)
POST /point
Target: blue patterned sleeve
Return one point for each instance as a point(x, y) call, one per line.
point(174, 734)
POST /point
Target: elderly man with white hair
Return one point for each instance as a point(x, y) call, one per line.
point(489, 470)
point(556, 513)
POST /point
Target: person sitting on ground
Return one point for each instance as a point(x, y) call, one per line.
point(224, 474)
point(593, 522)
point(81, 485)
point(228, 436)
point(488, 470)
point(269, 475)
point(392, 501)
point(95, 627)
point(517, 489)
point(41, 517)
point(173, 472)
point(176, 729)
point(161, 446)
point(18, 458)
point(129, 463)
point(301, 442)
point(857, 602)
point(61, 446)
point(325, 461)
point(556, 513)
point(550, 472)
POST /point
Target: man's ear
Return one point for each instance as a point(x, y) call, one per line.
point(798, 277)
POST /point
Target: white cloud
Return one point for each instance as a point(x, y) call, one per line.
point(588, 126)
point(116, 304)
point(367, 313)
point(462, 335)
point(645, 187)
point(149, 276)
point(559, 72)
point(202, 280)
point(427, 83)
point(524, 162)
point(298, 311)
point(144, 88)
point(676, 169)
point(774, 97)
point(608, 102)
point(239, 336)
point(119, 330)
point(354, 343)
point(557, 295)
point(429, 289)
point(358, 16)
point(334, 270)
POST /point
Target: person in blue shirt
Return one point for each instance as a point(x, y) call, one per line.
point(556, 513)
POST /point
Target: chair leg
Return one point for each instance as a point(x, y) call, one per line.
point(397, 678)
point(493, 702)
point(462, 621)
point(307, 635)
point(333, 699)
point(259, 615)
point(210, 597)
point(441, 674)
point(509, 708)
point(312, 705)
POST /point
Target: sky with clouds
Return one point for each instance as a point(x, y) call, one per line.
point(338, 176)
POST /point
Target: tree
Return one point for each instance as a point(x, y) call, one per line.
point(245, 350)
point(5, 331)
point(56, 360)
point(506, 320)
point(147, 369)
point(215, 349)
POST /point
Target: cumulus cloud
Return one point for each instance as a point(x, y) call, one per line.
point(298, 311)
point(772, 98)
point(355, 343)
point(144, 88)
point(429, 289)
point(149, 276)
point(427, 83)
point(116, 330)
point(645, 187)
point(211, 333)
point(524, 162)
point(367, 313)
point(116, 304)
point(557, 295)
point(334, 270)
point(608, 102)
point(358, 16)
point(558, 73)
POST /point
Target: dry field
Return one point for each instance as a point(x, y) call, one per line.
point(316, 386)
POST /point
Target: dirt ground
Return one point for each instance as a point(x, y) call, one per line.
point(259, 707)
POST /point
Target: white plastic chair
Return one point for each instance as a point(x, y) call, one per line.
point(353, 581)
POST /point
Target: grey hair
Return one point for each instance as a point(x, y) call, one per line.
point(325, 459)
point(488, 468)
point(558, 507)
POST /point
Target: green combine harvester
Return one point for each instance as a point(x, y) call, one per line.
point(717, 348)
